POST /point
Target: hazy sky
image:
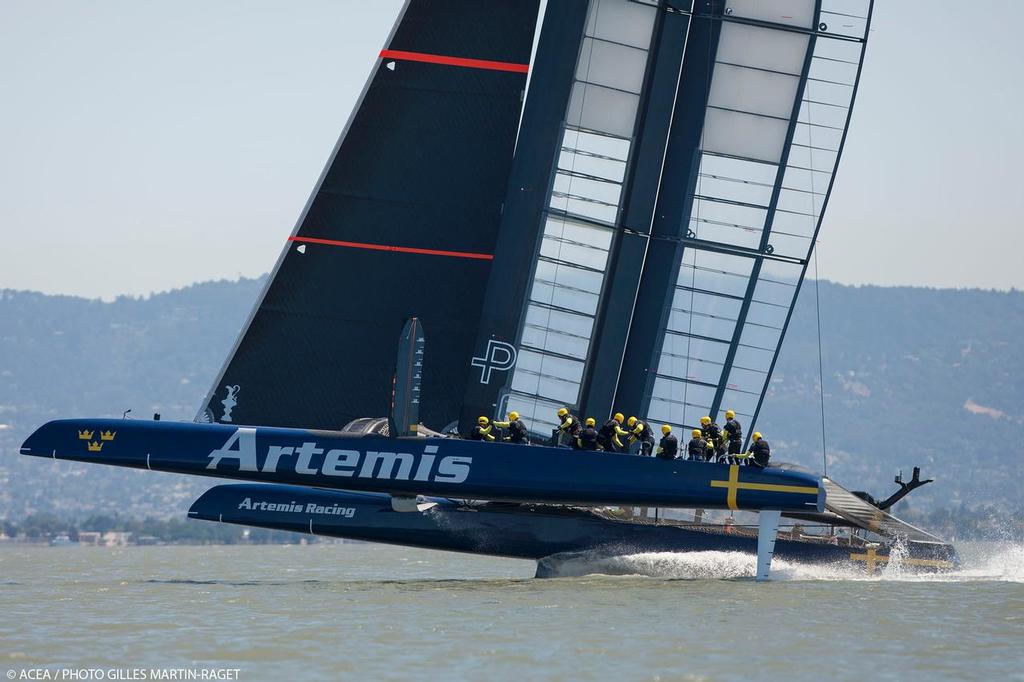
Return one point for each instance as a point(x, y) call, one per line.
point(149, 145)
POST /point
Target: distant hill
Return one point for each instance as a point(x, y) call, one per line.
point(911, 376)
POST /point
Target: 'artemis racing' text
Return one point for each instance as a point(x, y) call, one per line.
point(296, 508)
point(401, 466)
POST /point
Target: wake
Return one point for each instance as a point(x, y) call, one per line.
point(1001, 562)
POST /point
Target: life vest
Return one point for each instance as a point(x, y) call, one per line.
point(669, 447)
point(642, 432)
point(712, 433)
point(588, 438)
point(761, 452)
point(733, 430)
point(608, 430)
point(517, 433)
point(573, 428)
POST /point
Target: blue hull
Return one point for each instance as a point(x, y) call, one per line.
point(424, 466)
point(519, 531)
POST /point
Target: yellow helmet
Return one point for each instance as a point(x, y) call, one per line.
point(512, 416)
point(729, 414)
point(590, 421)
point(705, 420)
point(631, 421)
point(562, 412)
point(757, 435)
point(666, 429)
point(696, 433)
point(482, 420)
point(618, 417)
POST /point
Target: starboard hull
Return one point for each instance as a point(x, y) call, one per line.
point(423, 466)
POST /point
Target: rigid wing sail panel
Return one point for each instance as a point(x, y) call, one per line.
point(554, 344)
point(781, 93)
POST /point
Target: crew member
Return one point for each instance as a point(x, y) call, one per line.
point(641, 431)
point(516, 429)
point(587, 437)
point(569, 425)
point(711, 433)
point(695, 448)
point(733, 433)
point(709, 450)
point(759, 453)
point(482, 430)
point(609, 437)
point(668, 448)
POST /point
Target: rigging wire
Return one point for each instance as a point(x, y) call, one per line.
point(821, 373)
point(814, 252)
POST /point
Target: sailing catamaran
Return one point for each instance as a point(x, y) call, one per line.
point(611, 205)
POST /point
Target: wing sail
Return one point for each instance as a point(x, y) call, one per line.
point(783, 76)
point(578, 216)
point(695, 159)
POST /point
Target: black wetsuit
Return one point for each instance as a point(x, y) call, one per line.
point(572, 430)
point(733, 433)
point(517, 433)
point(713, 434)
point(645, 436)
point(669, 447)
point(760, 452)
point(481, 433)
point(695, 449)
point(607, 436)
point(587, 439)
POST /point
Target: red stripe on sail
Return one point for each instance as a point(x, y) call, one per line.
point(388, 247)
point(454, 61)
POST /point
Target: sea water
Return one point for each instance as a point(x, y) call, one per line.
point(363, 611)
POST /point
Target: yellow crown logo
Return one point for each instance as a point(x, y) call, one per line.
point(85, 435)
point(107, 435)
point(95, 447)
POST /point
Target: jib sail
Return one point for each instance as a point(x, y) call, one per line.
point(402, 223)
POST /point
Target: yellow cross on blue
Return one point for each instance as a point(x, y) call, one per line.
point(734, 485)
point(872, 559)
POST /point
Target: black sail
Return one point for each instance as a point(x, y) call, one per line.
point(403, 223)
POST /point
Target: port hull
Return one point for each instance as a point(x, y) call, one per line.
point(509, 530)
